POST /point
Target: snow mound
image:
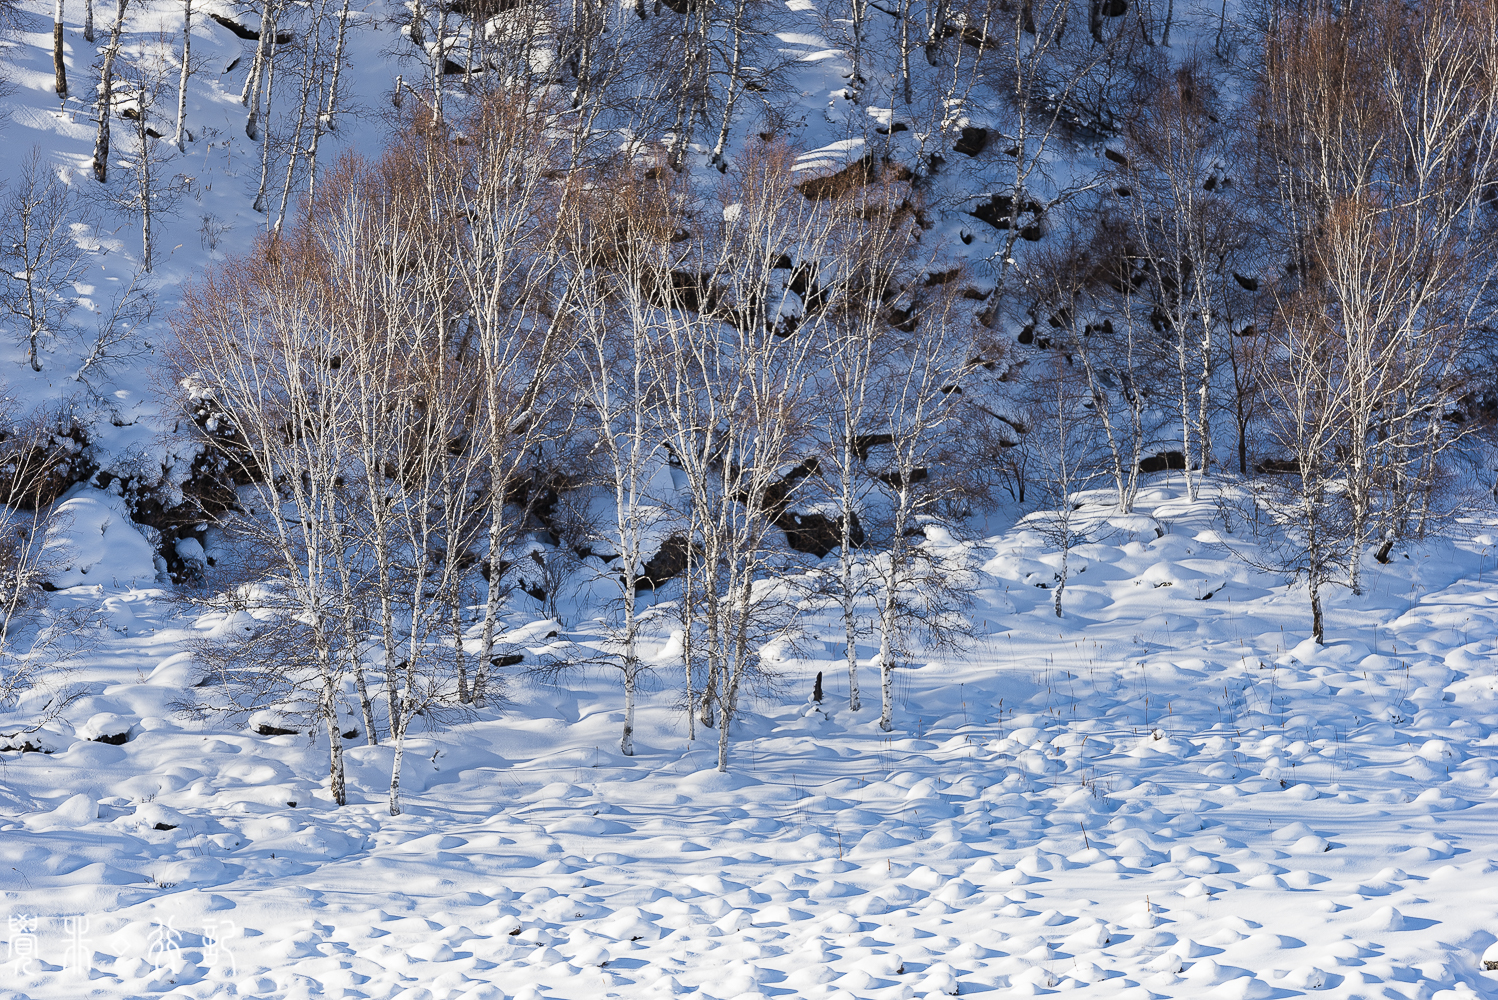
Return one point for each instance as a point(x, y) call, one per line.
point(91, 541)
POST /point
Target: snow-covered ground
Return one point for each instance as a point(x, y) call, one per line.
point(1158, 795)
point(1169, 792)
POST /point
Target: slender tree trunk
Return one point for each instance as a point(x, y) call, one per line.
point(735, 86)
point(687, 653)
point(1203, 393)
point(890, 602)
point(850, 601)
point(395, 772)
point(1065, 556)
point(1185, 413)
point(309, 71)
point(335, 738)
point(106, 95)
point(1318, 630)
point(860, 15)
point(270, 88)
point(418, 21)
point(723, 745)
point(179, 139)
point(631, 657)
point(59, 69)
point(147, 187)
point(905, 46)
point(887, 661)
point(88, 21)
point(439, 63)
point(264, 53)
point(1242, 444)
point(491, 600)
point(325, 120)
point(627, 740)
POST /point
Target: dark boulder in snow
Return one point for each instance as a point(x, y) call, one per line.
point(1163, 462)
point(670, 561)
point(816, 533)
point(998, 210)
point(972, 141)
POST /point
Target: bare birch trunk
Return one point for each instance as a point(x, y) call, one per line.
point(106, 95)
point(178, 139)
point(264, 53)
point(330, 715)
point(60, 71)
point(325, 119)
point(270, 87)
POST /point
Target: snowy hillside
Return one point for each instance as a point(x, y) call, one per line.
point(848, 500)
point(1155, 796)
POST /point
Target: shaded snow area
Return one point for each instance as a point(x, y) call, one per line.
point(91, 541)
point(1159, 795)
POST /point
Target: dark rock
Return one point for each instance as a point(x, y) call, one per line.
point(972, 141)
point(670, 561)
point(1163, 462)
point(25, 746)
point(898, 481)
point(265, 729)
point(835, 185)
point(249, 34)
point(863, 443)
point(816, 533)
point(1278, 467)
point(36, 468)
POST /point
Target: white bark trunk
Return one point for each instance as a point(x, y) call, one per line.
point(886, 671)
point(178, 140)
point(106, 95)
point(59, 69)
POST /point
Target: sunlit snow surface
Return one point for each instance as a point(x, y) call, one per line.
point(1156, 795)
point(1162, 794)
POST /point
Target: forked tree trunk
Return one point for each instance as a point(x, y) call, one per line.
point(325, 119)
point(264, 52)
point(270, 86)
point(106, 95)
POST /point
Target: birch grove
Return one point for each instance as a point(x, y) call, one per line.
point(594, 310)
